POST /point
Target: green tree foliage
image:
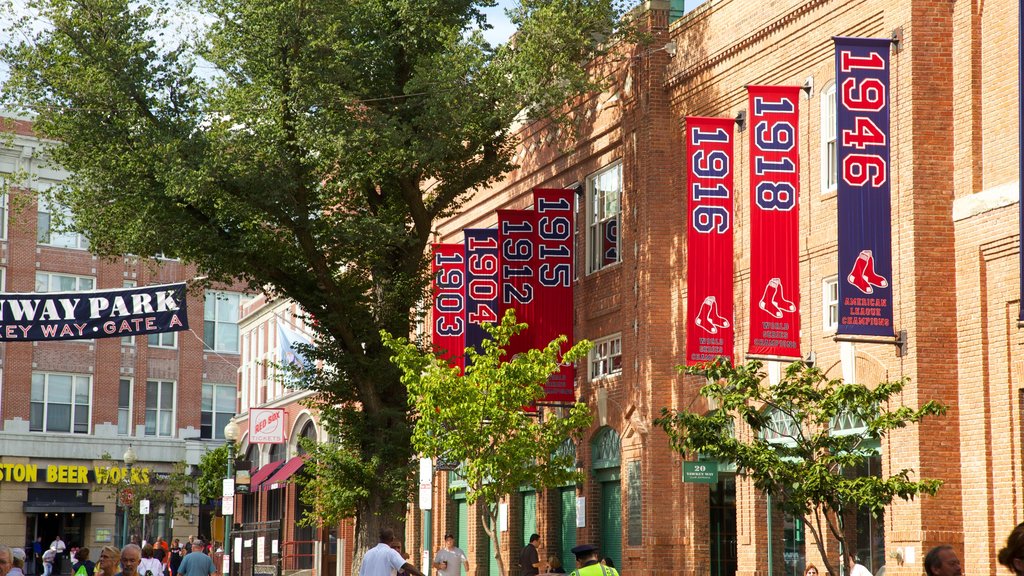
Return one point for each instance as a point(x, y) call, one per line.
point(163, 489)
point(213, 469)
point(789, 447)
point(304, 147)
point(477, 418)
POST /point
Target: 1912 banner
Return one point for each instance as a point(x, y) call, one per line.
point(517, 240)
point(554, 210)
point(865, 228)
point(481, 283)
point(98, 314)
point(709, 265)
point(774, 221)
point(448, 334)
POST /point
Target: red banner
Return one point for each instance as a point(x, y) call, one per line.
point(448, 334)
point(709, 265)
point(517, 240)
point(554, 210)
point(774, 221)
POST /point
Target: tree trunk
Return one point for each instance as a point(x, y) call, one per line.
point(491, 528)
point(370, 519)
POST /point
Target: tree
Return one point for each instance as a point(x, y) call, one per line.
point(213, 469)
point(793, 452)
point(160, 488)
point(478, 419)
point(306, 148)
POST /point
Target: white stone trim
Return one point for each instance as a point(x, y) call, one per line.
point(996, 197)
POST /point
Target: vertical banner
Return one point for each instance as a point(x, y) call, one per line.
point(774, 221)
point(709, 265)
point(448, 334)
point(481, 283)
point(865, 228)
point(518, 272)
point(554, 210)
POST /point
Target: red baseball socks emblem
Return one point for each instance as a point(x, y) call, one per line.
point(863, 274)
point(708, 317)
point(774, 301)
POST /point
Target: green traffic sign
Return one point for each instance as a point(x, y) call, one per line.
point(703, 472)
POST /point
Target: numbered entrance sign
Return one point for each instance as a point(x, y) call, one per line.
point(701, 472)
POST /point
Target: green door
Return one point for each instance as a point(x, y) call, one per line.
point(462, 533)
point(567, 527)
point(529, 502)
point(611, 522)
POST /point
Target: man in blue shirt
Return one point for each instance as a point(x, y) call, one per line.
point(196, 563)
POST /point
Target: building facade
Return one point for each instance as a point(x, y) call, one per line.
point(71, 409)
point(956, 290)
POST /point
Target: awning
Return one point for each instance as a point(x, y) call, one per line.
point(290, 467)
point(60, 507)
point(263, 473)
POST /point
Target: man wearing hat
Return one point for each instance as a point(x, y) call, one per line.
point(588, 564)
point(196, 563)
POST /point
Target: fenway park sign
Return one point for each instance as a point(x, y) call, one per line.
point(96, 314)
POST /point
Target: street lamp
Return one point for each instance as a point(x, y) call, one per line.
point(231, 434)
point(130, 458)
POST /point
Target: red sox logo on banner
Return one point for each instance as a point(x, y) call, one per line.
point(709, 255)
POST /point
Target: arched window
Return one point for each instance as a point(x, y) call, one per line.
point(308, 431)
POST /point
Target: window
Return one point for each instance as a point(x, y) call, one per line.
point(218, 408)
point(828, 139)
point(50, 282)
point(3, 214)
point(53, 224)
point(159, 408)
point(604, 195)
point(606, 357)
point(220, 316)
point(60, 403)
point(782, 430)
point(830, 304)
point(124, 407)
point(128, 340)
point(164, 340)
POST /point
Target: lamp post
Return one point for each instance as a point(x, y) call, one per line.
point(130, 458)
point(231, 434)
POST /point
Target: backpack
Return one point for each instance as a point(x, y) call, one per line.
point(81, 570)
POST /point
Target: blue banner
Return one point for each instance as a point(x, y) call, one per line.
point(481, 283)
point(865, 226)
point(97, 314)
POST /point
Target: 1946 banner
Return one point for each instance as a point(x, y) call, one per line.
point(97, 314)
point(709, 265)
point(774, 221)
point(448, 269)
point(553, 208)
point(865, 228)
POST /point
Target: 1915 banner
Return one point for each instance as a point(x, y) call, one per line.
point(865, 228)
point(481, 283)
point(554, 211)
point(448, 334)
point(517, 239)
point(774, 221)
point(709, 265)
point(96, 314)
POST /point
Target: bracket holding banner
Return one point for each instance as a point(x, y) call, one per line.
point(897, 39)
point(899, 340)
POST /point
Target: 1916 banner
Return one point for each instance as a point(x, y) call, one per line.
point(865, 228)
point(709, 265)
point(553, 208)
point(481, 283)
point(774, 221)
point(448, 269)
point(517, 240)
point(97, 314)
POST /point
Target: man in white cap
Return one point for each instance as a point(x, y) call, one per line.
point(17, 562)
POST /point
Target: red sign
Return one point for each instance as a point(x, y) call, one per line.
point(449, 312)
point(774, 221)
point(709, 265)
point(127, 497)
point(554, 210)
point(267, 426)
point(517, 241)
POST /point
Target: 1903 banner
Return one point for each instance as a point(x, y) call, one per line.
point(448, 333)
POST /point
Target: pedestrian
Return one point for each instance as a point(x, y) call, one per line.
point(17, 562)
point(150, 566)
point(942, 561)
point(530, 563)
point(555, 565)
point(589, 564)
point(397, 546)
point(37, 553)
point(855, 567)
point(6, 560)
point(110, 559)
point(49, 557)
point(196, 562)
point(1012, 555)
point(131, 558)
point(383, 560)
point(447, 559)
point(811, 570)
point(61, 548)
point(83, 566)
point(176, 554)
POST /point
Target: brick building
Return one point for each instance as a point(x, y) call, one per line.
point(65, 405)
point(956, 270)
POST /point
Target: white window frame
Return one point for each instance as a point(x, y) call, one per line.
point(211, 303)
point(45, 282)
point(45, 234)
point(602, 356)
point(598, 214)
point(76, 381)
point(161, 337)
point(3, 212)
point(128, 340)
point(829, 158)
point(126, 418)
point(161, 409)
point(830, 304)
point(214, 409)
